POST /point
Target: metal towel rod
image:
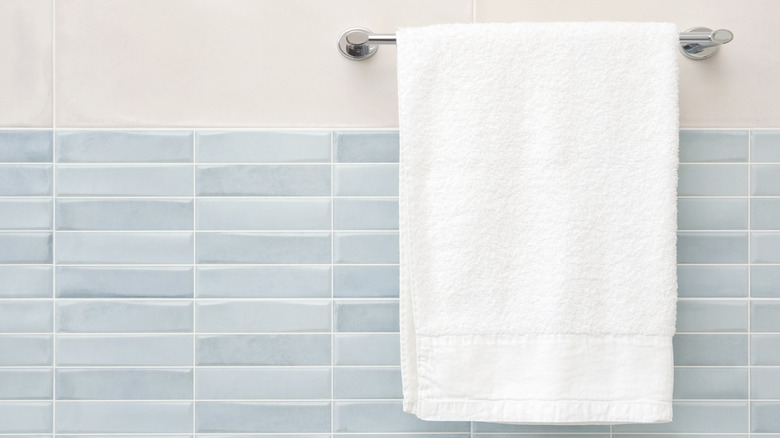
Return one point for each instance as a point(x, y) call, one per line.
point(696, 43)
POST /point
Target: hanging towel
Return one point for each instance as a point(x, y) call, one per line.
point(537, 221)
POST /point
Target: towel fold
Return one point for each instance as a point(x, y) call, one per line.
point(538, 184)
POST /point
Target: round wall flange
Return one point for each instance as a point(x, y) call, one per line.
point(353, 44)
point(699, 51)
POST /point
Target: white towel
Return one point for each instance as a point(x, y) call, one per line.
point(537, 223)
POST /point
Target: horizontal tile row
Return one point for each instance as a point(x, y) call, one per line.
point(728, 247)
point(729, 146)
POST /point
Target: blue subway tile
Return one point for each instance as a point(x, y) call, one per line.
point(263, 146)
point(712, 180)
point(765, 316)
point(25, 384)
point(764, 417)
point(262, 350)
point(124, 282)
point(765, 179)
point(365, 214)
point(25, 350)
point(765, 350)
point(765, 214)
point(365, 281)
point(710, 350)
point(410, 435)
point(146, 180)
point(366, 383)
point(712, 214)
point(263, 316)
point(263, 282)
point(25, 146)
point(263, 214)
point(124, 214)
point(124, 350)
point(712, 281)
point(26, 281)
point(131, 248)
point(386, 416)
point(25, 180)
point(366, 180)
point(266, 417)
point(698, 417)
point(366, 349)
point(765, 383)
point(545, 435)
point(135, 146)
point(269, 248)
point(125, 316)
point(25, 214)
point(25, 316)
point(765, 247)
point(263, 180)
point(25, 417)
point(366, 146)
point(713, 145)
point(366, 248)
point(366, 316)
point(123, 417)
point(25, 248)
point(262, 383)
point(712, 316)
point(711, 383)
point(124, 384)
point(712, 247)
point(765, 281)
point(765, 146)
point(538, 428)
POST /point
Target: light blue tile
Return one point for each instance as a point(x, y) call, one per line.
point(365, 281)
point(765, 316)
point(124, 214)
point(107, 248)
point(712, 281)
point(124, 282)
point(124, 384)
point(366, 316)
point(26, 281)
point(713, 145)
point(25, 384)
point(712, 180)
point(367, 349)
point(146, 435)
point(765, 179)
point(124, 417)
point(710, 350)
point(712, 214)
point(699, 417)
point(538, 428)
point(263, 282)
point(765, 383)
point(365, 383)
point(262, 350)
point(264, 248)
point(765, 214)
point(18, 146)
point(410, 435)
point(765, 145)
point(25, 248)
point(366, 146)
point(365, 214)
point(267, 316)
point(21, 350)
point(136, 146)
point(25, 214)
point(263, 383)
point(712, 316)
point(366, 247)
point(764, 418)
point(546, 435)
point(263, 146)
point(264, 435)
point(25, 180)
point(273, 417)
point(263, 214)
point(386, 416)
point(674, 435)
point(765, 350)
point(25, 417)
point(366, 180)
point(710, 383)
point(765, 247)
point(712, 247)
point(147, 180)
point(124, 350)
point(125, 316)
point(25, 316)
point(263, 180)
point(765, 281)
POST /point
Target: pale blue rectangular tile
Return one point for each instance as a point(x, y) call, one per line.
point(25, 281)
point(366, 316)
point(263, 282)
point(263, 146)
point(711, 383)
point(366, 349)
point(366, 146)
point(712, 281)
point(765, 179)
point(25, 384)
point(263, 180)
point(543, 435)
point(25, 316)
point(365, 281)
point(124, 146)
point(131, 248)
point(124, 384)
point(25, 179)
point(710, 350)
point(25, 417)
point(712, 214)
point(386, 416)
point(263, 214)
point(765, 383)
point(365, 214)
point(712, 247)
point(272, 417)
point(538, 428)
point(262, 350)
point(765, 281)
point(366, 248)
point(124, 282)
point(125, 316)
point(364, 383)
point(765, 350)
point(266, 435)
point(25, 350)
point(146, 180)
point(123, 417)
point(124, 214)
point(266, 316)
point(712, 180)
point(409, 435)
point(25, 214)
point(365, 180)
point(712, 316)
point(124, 350)
point(765, 316)
point(25, 146)
point(262, 383)
point(25, 248)
point(764, 417)
point(765, 214)
point(304, 248)
point(675, 435)
point(765, 247)
point(699, 417)
point(713, 145)
point(146, 435)
point(765, 145)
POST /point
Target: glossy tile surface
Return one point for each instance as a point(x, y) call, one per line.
point(264, 180)
point(711, 383)
point(266, 417)
point(765, 281)
point(25, 316)
point(124, 214)
point(365, 281)
point(25, 417)
point(765, 247)
point(26, 146)
point(138, 180)
point(19, 248)
point(373, 416)
point(765, 145)
point(365, 180)
point(765, 350)
point(266, 316)
point(124, 384)
point(25, 350)
point(765, 180)
point(25, 214)
point(366, 316)
point(264, 214)
point(26, 281)
point(701, 417)
point(263, 350)
point(366, 349)
point(712, 316)
point(25, 384)
point(712, 247)
point(716, 146)
point(713, 214)
point(366, 248)
point(712, 281)
point(263, 146)
point(124, 417)
point(266, 248)
point(25, 180)
point(263, 282)
point(125, 316)
point(119, 248)
point(127, 146)
point(366, 383)
point(712, 180)
point(263, 383)
point(719, 349)
point(366, 146)
point(365, 214)
point(124, 350)
point(124, 282)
